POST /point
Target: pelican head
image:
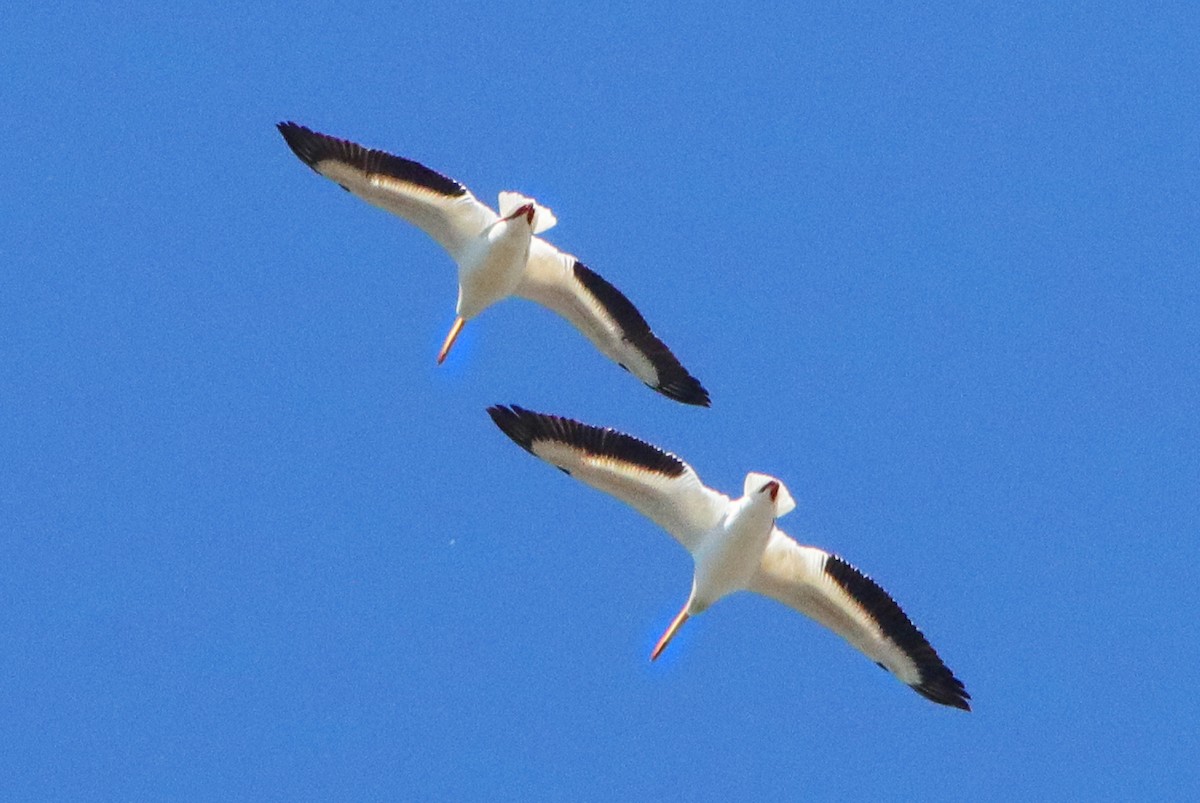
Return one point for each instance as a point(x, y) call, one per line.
point(526, 211)
point(514, 204)
point(770, 488)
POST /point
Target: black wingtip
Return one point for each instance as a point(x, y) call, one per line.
point(314, 147)
point(526, 426)
point(942, 687)
point(516, 423)
point(686, 389)
point(950, 693)
point(673, 380)
point(937, 682)
point(304, 142)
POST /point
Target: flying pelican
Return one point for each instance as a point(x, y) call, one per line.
point(498, 256)
point(736, 545)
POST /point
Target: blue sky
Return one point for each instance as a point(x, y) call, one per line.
point(936, 266)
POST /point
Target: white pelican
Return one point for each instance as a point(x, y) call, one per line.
point(736, 545)
point(498, 256)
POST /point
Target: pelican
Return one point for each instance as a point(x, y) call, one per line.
point(498, 255)
point(736, 545)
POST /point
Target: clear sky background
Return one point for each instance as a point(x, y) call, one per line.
point(937, 267)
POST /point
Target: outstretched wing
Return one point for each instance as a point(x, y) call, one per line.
point(655, 483)
point(608, 319)
point(443, 208)
point(828, 589)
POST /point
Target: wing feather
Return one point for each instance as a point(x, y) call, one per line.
point(655, 483)
point(607, 318)
point(442, 207)
point(831, 591)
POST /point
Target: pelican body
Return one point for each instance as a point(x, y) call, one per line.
point(737, 546)
point(491, 265)
point(498, 255)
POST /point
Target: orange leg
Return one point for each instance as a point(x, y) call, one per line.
point(450, 338)
point(676, 623)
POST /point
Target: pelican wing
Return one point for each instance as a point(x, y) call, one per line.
point(655, 483)
point(443, 208)
point(828, 589)
point(608, 319)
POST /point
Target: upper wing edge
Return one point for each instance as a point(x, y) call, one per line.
point(313, 147)
point(657, 483)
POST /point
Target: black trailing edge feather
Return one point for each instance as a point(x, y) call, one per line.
point(673, 379)
point(937, 681)
point(526, 427)
point(314, 148)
